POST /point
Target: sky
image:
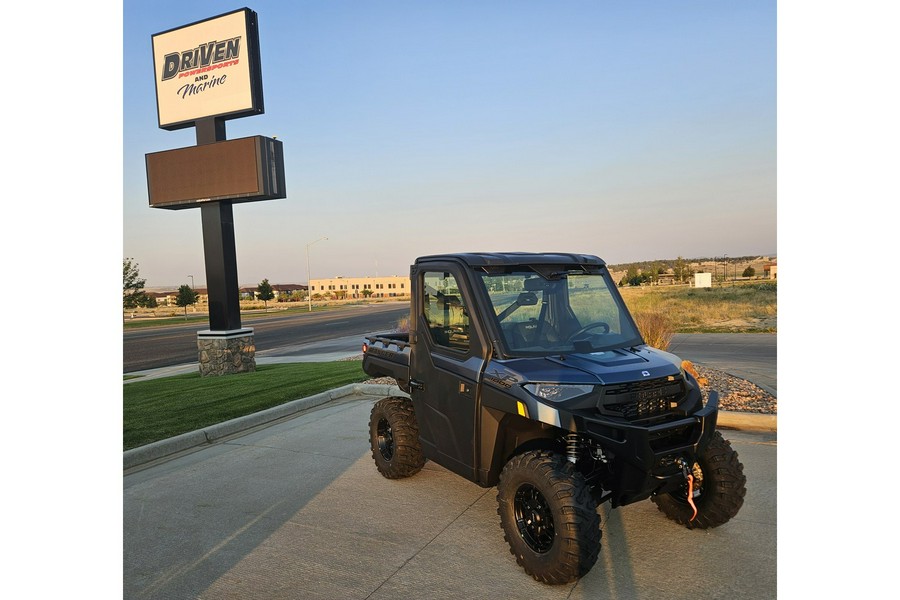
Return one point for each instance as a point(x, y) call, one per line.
point(629, 130)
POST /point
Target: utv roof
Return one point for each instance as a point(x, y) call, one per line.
point(500, 259)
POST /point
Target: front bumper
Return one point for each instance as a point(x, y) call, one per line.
point(645, 455)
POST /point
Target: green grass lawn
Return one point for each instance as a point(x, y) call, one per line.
point(157, 409)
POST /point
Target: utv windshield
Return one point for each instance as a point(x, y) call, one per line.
point(558, 312)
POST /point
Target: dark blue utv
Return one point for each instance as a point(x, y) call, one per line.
point(526, 371)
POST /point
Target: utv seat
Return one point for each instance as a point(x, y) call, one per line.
point(530, 333)
point(515, 335)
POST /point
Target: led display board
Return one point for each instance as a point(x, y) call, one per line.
point(240, 170)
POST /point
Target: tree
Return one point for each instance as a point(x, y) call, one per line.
point(366, 293)
point(631, 276)
point(186, 297)
point(133, 294)
point(749, 272)
point(265, 293)
point(656, 269)
point(680, 269)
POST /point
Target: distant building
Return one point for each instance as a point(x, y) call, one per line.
point(770, 270)
point(355, 287)
point(665, 279)
point(278, 289)
point(168, 298)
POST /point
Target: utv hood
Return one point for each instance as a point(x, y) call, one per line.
point(608, 367)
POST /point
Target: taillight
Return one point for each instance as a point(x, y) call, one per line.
point(365, 348)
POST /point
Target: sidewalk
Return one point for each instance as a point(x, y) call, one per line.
point(297, 509)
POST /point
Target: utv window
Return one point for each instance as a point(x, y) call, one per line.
point(444, 311)
point(558, 312)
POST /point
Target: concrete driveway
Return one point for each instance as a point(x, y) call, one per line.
point(297, 510)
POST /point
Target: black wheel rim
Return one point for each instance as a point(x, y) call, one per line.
point(534, 519)
point(385, 439)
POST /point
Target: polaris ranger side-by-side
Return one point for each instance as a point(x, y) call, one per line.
point(527, 372)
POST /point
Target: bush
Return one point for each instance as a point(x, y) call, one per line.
point(656, 328)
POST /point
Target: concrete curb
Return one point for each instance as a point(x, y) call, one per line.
point(209, 435)
point(747, 421)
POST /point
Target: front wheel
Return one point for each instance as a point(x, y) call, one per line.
point(548, 516)
point(719, 488)
point(394, 437)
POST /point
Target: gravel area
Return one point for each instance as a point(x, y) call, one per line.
point(735, 394)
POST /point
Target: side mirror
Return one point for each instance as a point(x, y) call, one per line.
point(534, 284)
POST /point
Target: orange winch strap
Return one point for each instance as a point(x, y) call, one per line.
point(690, 496)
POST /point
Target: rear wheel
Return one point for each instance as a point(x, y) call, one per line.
point(548, 516)
point(719, 488)
point(394, 438)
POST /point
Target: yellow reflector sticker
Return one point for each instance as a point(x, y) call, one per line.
point(521, 407)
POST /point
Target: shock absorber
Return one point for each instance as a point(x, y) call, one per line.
point(574, 444)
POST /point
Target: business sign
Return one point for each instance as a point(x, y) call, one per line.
point(240, 170)
point(210, 68)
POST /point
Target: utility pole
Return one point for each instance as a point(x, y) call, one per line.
point(308, 276)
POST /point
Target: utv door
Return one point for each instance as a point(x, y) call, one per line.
point(445, 367)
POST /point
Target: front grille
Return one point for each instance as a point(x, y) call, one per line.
point(642, 399)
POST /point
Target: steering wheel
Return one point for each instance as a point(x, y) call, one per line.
point(589, 327)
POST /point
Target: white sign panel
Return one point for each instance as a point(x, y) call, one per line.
point(208, 69)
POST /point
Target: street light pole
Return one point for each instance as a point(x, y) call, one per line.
point(308, 275)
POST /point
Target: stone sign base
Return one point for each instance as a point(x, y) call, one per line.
point(226, 352)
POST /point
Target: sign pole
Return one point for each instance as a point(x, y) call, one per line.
point(219, 247)
point(225, 347)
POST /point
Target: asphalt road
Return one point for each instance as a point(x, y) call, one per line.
point(750, 356)
point(152, 348)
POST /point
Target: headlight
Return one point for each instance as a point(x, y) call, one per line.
point(556, 392)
